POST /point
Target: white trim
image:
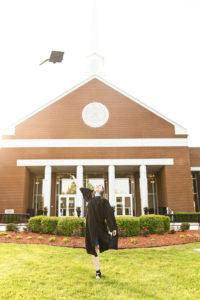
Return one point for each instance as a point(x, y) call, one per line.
point(95, 114)
point(95, 162)
point(144, 142)
point(178, 128)
point(195, 168)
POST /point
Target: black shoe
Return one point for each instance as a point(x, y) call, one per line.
point(98, 274)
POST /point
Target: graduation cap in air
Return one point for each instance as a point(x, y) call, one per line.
point(87, 193)
point(55, 57)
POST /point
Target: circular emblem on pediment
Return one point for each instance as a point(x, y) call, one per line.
point(95, 114)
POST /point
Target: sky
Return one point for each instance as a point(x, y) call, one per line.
point(151, 50)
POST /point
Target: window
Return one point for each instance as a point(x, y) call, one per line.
point(122, 186)
point(195, 185)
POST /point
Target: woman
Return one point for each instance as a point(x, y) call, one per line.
point(99, 219)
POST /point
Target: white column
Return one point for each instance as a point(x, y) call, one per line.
point(47, 188)
point(111, 184)
point(143, 188)
point(79, 184)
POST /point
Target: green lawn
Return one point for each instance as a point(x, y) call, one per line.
point(46, 272)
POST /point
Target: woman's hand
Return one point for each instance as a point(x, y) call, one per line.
point(114, 232)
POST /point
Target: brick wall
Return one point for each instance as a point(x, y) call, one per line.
point(63, 119)
point(127, 119)
point(175, 180)
point(195, 156)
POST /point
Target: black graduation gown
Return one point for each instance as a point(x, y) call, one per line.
point(99, 219)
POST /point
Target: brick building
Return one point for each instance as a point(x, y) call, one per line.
point(97, 134)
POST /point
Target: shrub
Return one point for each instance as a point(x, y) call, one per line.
point(52, 239)
point(134, 241)
point(128, 226)
point(189, 235)
point(185, 226)
point(75, 226)
point(70, 226)
point(155, 223)
point(161, 231)
point(172, 231)
point(186, 217)
point(11, 227)
point(10, 218)
point(144, 231)
point(182, 236)
point(49, 224)
point(35, 223)
point(65, 240)
point(3, 233)
point(166, 222)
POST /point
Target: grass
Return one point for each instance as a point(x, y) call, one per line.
point(46, 272)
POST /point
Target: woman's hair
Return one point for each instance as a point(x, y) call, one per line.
point(102, 192)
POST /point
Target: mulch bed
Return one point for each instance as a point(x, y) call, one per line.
point(153, 240)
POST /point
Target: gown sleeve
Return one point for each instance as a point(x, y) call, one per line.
point(109, 216)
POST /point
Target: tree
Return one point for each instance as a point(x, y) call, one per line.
point(89, 185)
point(72, 188)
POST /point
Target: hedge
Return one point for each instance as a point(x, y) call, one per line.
point(10, 218)
point(71, 226)
point(128, 226)
point(49, 224)
point(34, 223)
point(75, 226)
point(180, 217)
point(155, 223)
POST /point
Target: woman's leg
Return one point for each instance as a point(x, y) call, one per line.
point(95, 259)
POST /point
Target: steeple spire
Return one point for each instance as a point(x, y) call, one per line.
point(94, 28)
point(95, 60)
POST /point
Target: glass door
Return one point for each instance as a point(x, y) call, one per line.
point(125, 196)
point(123, 205)
point(66, 205)
point(195, 180)
point(62, 206)
point(65, 186)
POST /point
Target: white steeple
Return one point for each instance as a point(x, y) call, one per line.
point(95, 61)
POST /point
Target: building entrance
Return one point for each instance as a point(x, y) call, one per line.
point(66, 205)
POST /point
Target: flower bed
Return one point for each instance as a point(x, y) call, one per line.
point(153, 240)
